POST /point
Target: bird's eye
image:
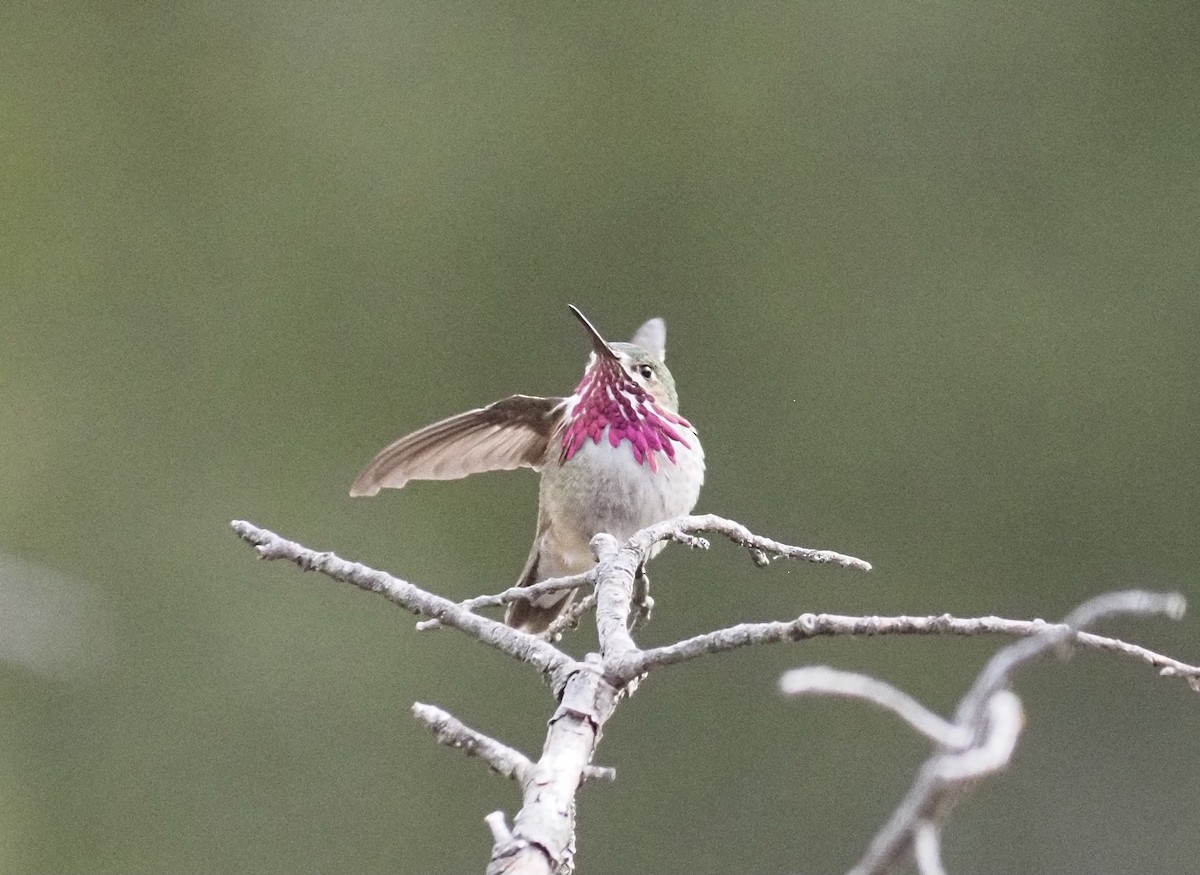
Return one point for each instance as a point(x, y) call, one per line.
point(646, 371)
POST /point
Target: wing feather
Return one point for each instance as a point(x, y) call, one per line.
point(512, 433)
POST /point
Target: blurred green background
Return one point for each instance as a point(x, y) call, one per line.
point(930, 276)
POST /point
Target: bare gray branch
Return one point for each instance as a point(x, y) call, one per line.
point(568, 618)
point(542, 836)
point(834, 682)
point(542, 655)
point(682, 529)
point(517, 594)
point(927, 849)
point(827, 625)
point(452, 732)
point(499, 827)
point(992, 716)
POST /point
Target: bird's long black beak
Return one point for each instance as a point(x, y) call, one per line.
point(599, 344)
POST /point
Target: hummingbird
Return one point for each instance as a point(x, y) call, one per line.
point(615, 456)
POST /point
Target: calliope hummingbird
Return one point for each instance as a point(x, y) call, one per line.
point(615, 457)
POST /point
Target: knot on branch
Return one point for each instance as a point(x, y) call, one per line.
point(804, 626)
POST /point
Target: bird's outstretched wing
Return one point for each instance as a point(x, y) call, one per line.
point(512, 433)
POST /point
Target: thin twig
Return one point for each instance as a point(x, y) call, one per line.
point(829, 625)
point(762, 550)
point(1000, 668)
point(834, 682)
point(531, 592)
point(507, 761)
point(542, 655)
point(452, 732)
point(568, 618)
point(518, 594)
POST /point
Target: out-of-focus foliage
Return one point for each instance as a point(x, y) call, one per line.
point(930, 276)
